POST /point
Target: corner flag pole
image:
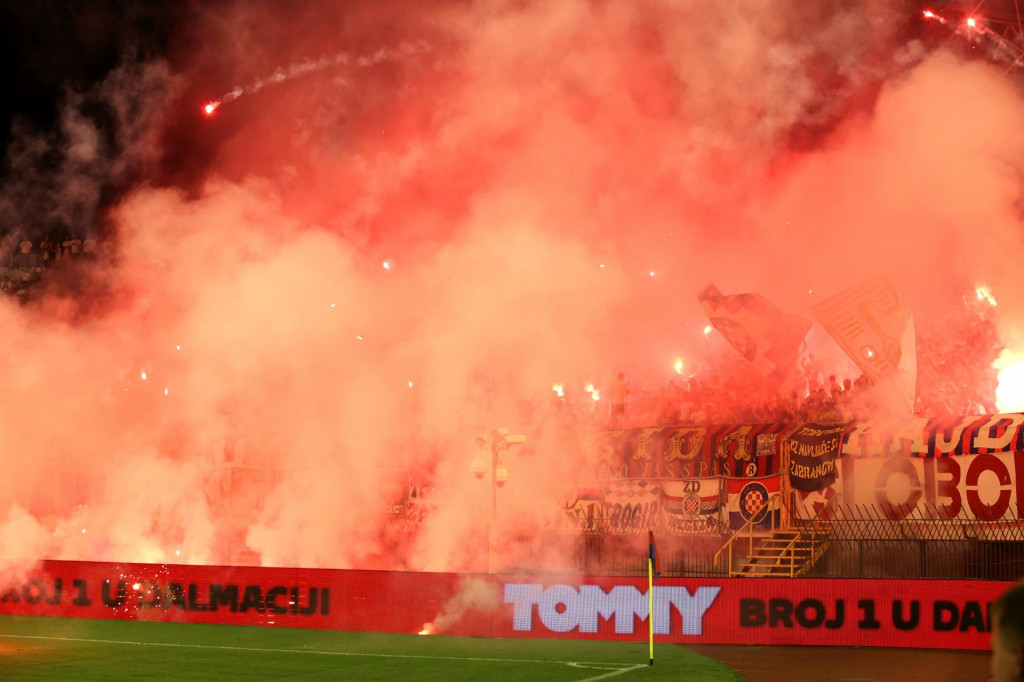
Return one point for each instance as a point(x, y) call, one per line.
point(652, 575)
point(650, 603)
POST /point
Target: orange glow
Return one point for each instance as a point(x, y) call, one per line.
point(428, 629)
point(1010, 391)
point(559, 389)
point(971, 22)
point(679, 365)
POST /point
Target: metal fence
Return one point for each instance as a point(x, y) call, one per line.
point(864, 542)
point(900, 542)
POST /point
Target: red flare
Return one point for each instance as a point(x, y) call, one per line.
point(210, 107)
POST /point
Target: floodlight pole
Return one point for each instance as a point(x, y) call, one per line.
point(492, 540)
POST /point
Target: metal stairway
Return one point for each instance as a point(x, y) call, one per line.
point(788, 552)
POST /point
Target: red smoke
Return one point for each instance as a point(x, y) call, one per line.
point(522, 168)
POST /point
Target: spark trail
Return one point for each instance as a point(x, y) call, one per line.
point(308, 66)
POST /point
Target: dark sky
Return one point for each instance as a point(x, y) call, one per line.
point(49, 45)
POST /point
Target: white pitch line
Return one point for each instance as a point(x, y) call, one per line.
point(615, 672)
point(330, 653)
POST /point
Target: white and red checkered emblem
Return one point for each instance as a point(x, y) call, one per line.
point(691, 505)
point(754, 501)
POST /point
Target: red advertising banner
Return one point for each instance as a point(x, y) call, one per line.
point(893, 613)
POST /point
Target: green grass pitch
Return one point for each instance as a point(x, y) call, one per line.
point(44, 648)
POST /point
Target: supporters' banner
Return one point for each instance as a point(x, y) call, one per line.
point(762, 333)
point(937, 437)
point(813, 451)
point(586, 507)
point(875, 329)
point(734, 450)
point(944, 614)
point(808, 505)
point(985, 487)
point(692, 505)
point(748, 501)
point(630, 503)
point(753, 450)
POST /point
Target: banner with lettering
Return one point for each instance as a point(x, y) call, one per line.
point(940, 614)
point(692, 505)
point(813, 450)
point(752, 450)
point(937, 436)
point(733, 450)
point(974, 487)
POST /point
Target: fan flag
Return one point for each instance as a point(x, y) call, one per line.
point(873, 325)
point(652, 554)
point(764, 334)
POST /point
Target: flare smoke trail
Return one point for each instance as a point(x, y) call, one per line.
point(550, 184)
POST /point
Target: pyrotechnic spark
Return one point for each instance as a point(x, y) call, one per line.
point(589, 388)
point(143, 375)
point(358, 338)
point(707, 329)
point(596, 395)
point(984, 294)
point(679, 365)
point(210, 107)
point(386, 265)
point(971, 22)
point(428, 629)
point(558, 389)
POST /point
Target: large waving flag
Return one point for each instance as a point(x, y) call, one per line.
point(873, 326)
point(762, 333)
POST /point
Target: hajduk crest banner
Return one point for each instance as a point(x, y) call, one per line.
point(748, 500)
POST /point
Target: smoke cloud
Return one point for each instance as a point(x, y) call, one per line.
point(316, 298)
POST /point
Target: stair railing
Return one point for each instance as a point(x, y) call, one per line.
point(773, 503)
point(814, 532)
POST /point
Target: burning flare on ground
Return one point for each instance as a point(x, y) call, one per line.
point(428, 629)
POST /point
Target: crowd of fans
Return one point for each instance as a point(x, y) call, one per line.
point(954, 359)
point(22, 263)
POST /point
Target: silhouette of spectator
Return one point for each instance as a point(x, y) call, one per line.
point(1007, 662)
point(618, 393)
